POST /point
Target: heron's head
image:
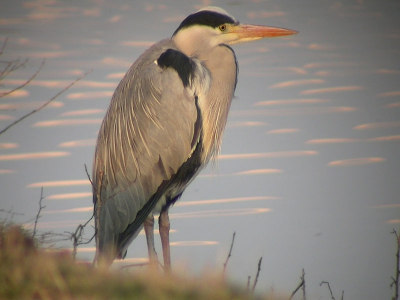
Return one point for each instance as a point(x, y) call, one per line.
point(213, 26)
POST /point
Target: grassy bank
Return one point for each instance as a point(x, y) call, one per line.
point(28, 272)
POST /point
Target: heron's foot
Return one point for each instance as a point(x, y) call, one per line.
point(153, 260)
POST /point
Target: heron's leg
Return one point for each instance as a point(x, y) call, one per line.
point(149, 230)
point(164, 226)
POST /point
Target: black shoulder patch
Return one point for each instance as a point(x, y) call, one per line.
point(207, 18)
point(178, 61)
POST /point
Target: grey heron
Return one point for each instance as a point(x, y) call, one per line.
point(163, 125)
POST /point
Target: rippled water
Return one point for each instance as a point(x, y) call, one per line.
point(309, 169)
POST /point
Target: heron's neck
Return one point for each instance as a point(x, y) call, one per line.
point(221, 63)
point(214, 103)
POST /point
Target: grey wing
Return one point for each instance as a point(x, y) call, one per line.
point(146, 135)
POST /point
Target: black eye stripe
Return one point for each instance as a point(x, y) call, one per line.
point(207, 18)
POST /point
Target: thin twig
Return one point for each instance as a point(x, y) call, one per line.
point(7, 220)
point(303, 277)
point(258, 273)
point(272, 292)
point(4, 46)
point(10, 66)
point(329, 287)
point(76, 237)
point(10, 212)
point(45, 104)
point(26, 82)
point(301, 284)
point(248, 284)
point(91, 182)
point(395, 281)
point(38, 214)
point(230, 253)
point(134, 265)
point(88, 175)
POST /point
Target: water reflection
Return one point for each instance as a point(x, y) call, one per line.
point(331, 64)
point(60, 84)
point(90, 95)
point(283, 131)
point(7, 171)
point(267, 154)
point(72, 210)
point(193, 243)
point(295, 111)
point(297, 70)
point(59, 183)
point(316, 46)
point(387, 71)
point(116, 62)
point(332, 90)
point(289, 102)
point(395, 221)
point(29, 105)
point(35, 155)
point(245, 124)
point(293, 83)
point(259, 172)
point(50, 54)
point(69, 196)
point(219, 213)
point(41, 83)
point(21, 93)
point(6, 118)
point(83, 112)
point(52, 225)
point(69, 122)
point(376, 125)
point(144, 44)
point(393, 105)
point(116, 75)
point(349, 140)
point(388, 138)
point(357, 161)
point(390, 94)
point(81, 143)
point(8, 145)
point(332, 141)
point(225, 200)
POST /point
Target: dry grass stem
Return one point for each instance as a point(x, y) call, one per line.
point(395, 280)
point(301, 284)
point(229, 254)
point(39, 211)
point(256, 278)
point(330, 290)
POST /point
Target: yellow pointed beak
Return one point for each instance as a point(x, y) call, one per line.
point(247, 32)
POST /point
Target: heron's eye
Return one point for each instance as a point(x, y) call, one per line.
point(222, 27)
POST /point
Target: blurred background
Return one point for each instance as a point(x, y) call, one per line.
point(308, 175)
